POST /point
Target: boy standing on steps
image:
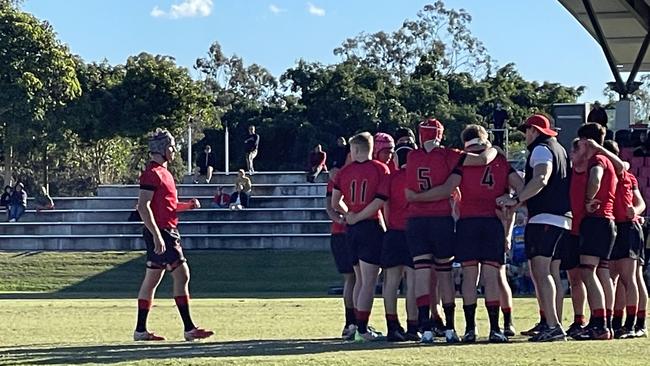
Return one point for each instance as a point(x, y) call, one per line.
point(158, 206)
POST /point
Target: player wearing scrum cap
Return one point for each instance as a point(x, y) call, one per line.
point(158, 206)
point(480, 233)
point(430, 226)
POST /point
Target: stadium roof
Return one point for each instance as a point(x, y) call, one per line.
point(621, 28)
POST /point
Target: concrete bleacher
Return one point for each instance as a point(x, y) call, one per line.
point(285, 213)
point(640, 167)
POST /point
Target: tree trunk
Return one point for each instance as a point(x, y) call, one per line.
point(8, 162)
point(46, 171)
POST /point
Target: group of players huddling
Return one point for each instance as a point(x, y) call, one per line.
point(412, 211)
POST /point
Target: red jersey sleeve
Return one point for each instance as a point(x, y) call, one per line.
point(635, 182)
point(149, 180)
point(455, 158)
point(598, 160)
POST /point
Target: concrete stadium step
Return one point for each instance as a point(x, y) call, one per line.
point(286, 189)
point(129, 202)
point(207, 214)
point(262, 178)
point(191, 241)
point(186, 228)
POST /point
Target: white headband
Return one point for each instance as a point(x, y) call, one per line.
point(476, 141)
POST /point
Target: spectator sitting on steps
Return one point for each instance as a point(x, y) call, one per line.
point(205, 164)
point(5, 199)
point(317, 160)
point(17, 202)
point(241, 196)
point(43, 200)
point(221, 199)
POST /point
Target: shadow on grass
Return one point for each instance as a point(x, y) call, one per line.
point(109, 354)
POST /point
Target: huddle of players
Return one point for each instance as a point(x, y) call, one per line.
point(603, 252)
point(437, 204)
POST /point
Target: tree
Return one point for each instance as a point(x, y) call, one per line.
point(37, 74)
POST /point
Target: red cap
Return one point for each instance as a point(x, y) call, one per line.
point(541, 123)
point(431, 129)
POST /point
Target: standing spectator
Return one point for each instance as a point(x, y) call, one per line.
point(499, 117)
point(241, 196)
point(221, 199)
point(205, 164)
point(5, 199)
point(43, 200)
point(251, 143)
point(339, 154)
point(317, 160)
point(17, 202)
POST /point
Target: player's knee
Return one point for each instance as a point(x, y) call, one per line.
point(587, 267)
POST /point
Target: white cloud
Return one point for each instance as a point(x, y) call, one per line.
point(275, 9)
point(315, 10)
point(186, 9)
point(157, 13)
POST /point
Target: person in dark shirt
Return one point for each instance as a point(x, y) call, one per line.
point(317, 160)
point(339, 154)
point(17, 202)
point(499, 117)
point(251, 144)
point(5, 199)
point(205, 164)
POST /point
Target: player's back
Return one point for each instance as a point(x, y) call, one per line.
point(361, 183)
point(159, 180)
point(426, 170)
point(397, 203)
point(481, 186)
point(606, 192)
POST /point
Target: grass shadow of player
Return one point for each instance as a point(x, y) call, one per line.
point(108, 354)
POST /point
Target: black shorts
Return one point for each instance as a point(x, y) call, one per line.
point(431, 235)
point(365, 240)
point(568, 252)
point(395, 251)
point(542, 240)
point(173, 256)
point(597, 236)
point(342, 256)
point(629, 241)
point(480, 239)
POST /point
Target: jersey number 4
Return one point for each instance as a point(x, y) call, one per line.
point(358, 191)
point(488, 178)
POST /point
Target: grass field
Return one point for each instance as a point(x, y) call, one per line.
point(77, 311)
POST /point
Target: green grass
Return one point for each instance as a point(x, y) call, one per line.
point(214, 273)
point(267, 307)
point(264, 332)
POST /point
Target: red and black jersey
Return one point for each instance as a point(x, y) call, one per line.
point(361, 183)
point(158, 179)
point(577, 192)
point(481, 186)
point(336, 227)
point(430, 169)
point(625, 188)
point(397, 203)
point(607, 191)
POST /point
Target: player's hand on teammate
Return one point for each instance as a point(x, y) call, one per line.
point(159, 245)
point(506, 201)
point(592, 205)
point(589, 143)
point(340, 219)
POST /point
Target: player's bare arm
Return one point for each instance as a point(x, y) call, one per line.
point(484, 158)
point(332, 214)
point(144, 209)
point(619, 165)
point(541, 175)
point(593, 185)
point(515, 182)
point(639, 205)
point(370, 210)
point(337, 202)
point(436, 193)
point(188, 205)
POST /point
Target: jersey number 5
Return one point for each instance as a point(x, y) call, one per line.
point(360, 195)
point(424, 179)
point(488, 178)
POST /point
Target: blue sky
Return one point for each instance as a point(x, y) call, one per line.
point(540, 36)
